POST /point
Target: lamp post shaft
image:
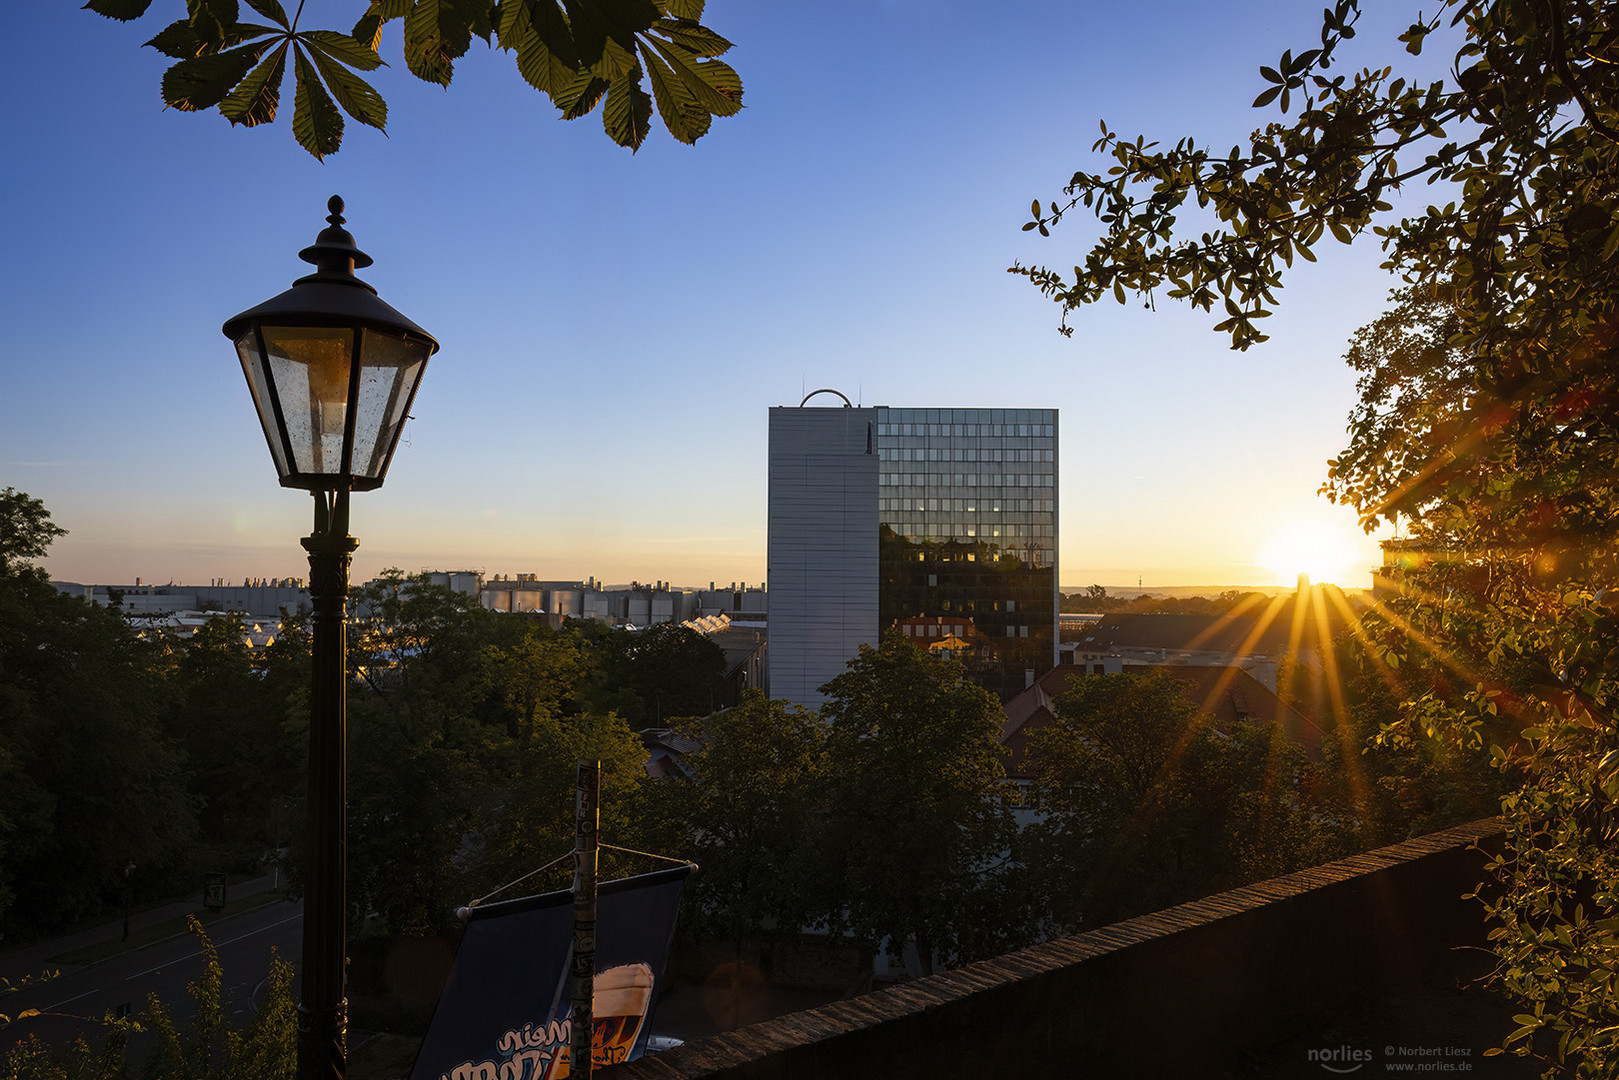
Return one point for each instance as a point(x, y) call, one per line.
point(323, 1010)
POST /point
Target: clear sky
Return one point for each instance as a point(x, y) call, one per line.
point(615, 326)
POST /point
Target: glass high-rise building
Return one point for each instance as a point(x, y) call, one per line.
point(939, 524)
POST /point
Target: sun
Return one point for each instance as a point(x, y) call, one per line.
point(1326, 554)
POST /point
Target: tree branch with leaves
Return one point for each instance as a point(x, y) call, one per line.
point(576, 52)
point(1489, 414)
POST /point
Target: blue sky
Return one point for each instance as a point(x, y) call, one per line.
point(615, 326)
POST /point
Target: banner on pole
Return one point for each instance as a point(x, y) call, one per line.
point(504, 1012)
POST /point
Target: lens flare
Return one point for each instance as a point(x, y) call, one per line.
point(1326, 554)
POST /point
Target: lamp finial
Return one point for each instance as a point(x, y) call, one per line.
point(334, 253)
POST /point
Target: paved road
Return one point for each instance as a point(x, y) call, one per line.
point(76, 999)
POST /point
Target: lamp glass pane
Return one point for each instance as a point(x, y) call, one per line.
point(247, 347)
point(310, 366)
point(390, 368)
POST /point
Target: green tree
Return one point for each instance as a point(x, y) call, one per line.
point(209, 1048)
point(535, 820)
point(746, 816)
point(1488, 424)
point(1506, 557)
point(231, 714)
point(1145, 803)
point(1413, 383)
point(419, 784)
point(465, 729)
point(1092, 600)
point(577, 52)
point(1193, 605)
point(89, 781)
point(1532, 99)
point(105, 1059)
point(916, 841)
point(26, 530)
point(538, 675)
point(408, 636)
point(1393, 781)
point(427, 737)
point(1108, 776)
point(654, 675)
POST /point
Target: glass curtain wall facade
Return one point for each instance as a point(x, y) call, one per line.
point(967, 537)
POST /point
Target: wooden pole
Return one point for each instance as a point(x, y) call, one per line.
point(587, 818)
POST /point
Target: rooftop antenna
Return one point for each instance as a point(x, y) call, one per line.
point(860, 393)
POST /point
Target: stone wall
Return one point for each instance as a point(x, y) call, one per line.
point(1178, 992)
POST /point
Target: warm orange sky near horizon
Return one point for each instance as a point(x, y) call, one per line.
point(1315, 543)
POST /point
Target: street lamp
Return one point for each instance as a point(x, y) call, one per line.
point(333, 370)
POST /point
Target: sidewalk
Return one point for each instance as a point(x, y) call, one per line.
point(34, 958)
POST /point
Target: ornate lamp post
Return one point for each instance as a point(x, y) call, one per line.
point(333, 370)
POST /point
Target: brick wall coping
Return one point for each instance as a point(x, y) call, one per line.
point(744, 1052)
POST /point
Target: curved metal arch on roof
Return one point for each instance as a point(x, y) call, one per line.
point(847, 404)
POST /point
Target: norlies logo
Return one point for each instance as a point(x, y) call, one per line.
point(1341, 1059)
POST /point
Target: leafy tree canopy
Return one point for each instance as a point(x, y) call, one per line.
point(576, 52)
point(919, 821)
point(1145, 804)
point(746, 816)
point(1487, 416)
point(79, 748)
point(654, 675)
point(1531, 103)
point(26, 530)
point(209, 1045)
point(1523, 135)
